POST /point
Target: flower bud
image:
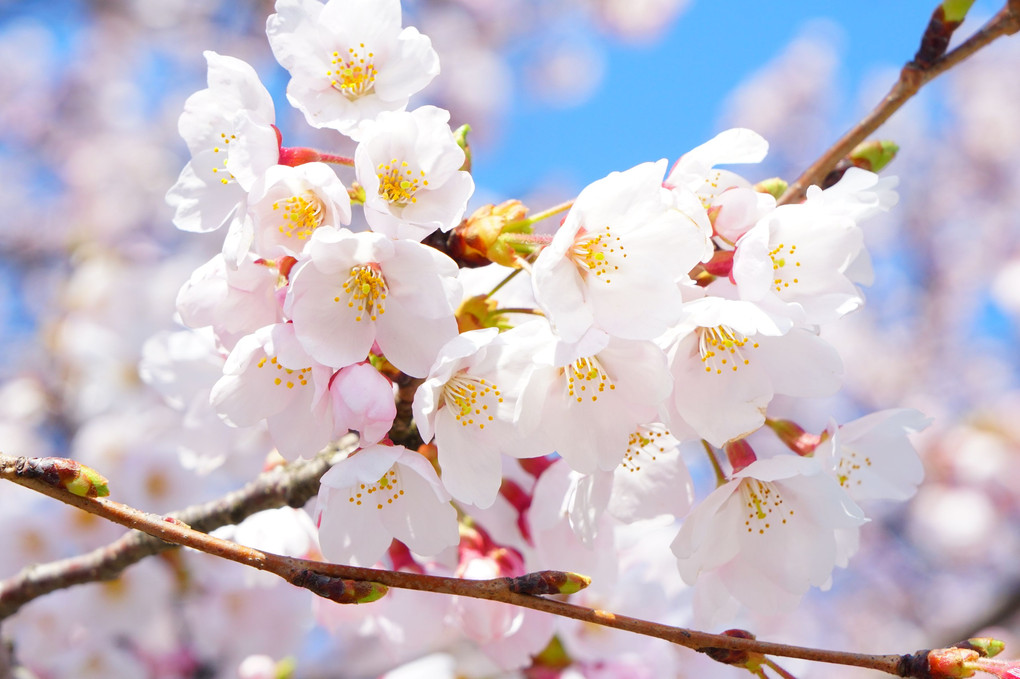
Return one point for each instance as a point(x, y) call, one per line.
point(339, 590)
point(460, 135)
point(61, 472)
point(740, 454)
point(775, 187)
point(476, 241)
point(549, 582)
point(729, 656)
point(88, 483)
point(873, 155)
point(298, 155)
point(794, 436)
point(985, 646)
point(952, 663)
point(476, 313)
point(956, 10)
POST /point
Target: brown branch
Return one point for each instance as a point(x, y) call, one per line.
point(292, 485)
point(351, 584)
point(912, 78)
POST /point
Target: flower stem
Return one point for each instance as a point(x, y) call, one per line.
point(519, 310)
point(503, 282)
point(720, 475)
point(539, 216)
point(335, 159)
point(911, 79)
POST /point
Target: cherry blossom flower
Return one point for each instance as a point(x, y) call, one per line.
point(589, 396)
point(770, 533)
point(616, 260)
point(268, 376)
point(362, 400)
point(349, 60)
point(872, 458)
point(234, 301)
point(358, 289)
point(378, 494)
point(730, 198)
point(695, 170)
point(285, 205)
point(409, 164)
point(805, 260)
point(652, 480)
point(207, 195)
point(469, 403)
point(729, 358)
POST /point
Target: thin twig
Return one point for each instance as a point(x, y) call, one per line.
point(334, 581)
point(911, 79)
point(292, 485)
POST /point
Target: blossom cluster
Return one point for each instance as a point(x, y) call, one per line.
point(670, 305)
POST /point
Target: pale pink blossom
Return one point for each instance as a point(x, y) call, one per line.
point(268, 376)
point(695, 170)
point(794, 261)
point(770, 533)
point(362, 401)
point(587, 397)
point(378, 494)
point(285, 205)
point(409, 164)
point(233, 300)
point(729, 358)
point(349, 60)
point(469, 403)
point(207, 195)
point(616, 261)
point(872, 457)
point(358, 289)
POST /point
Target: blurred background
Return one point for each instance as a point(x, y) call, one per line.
point(558, 94)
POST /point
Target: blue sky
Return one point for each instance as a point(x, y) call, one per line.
point(659, 100)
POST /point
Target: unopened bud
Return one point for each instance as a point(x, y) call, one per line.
point(298, 155)
point(952, 663)
point(985, 646)
point(874, 155)
point(460, 135)
point(775, 187)
point(61, 472)
point(549, 582)
point(956, 10)
point(476, 241)
point(339, 590)
point(476, 313)
point(730, 656)
point(721, 263)
point(946, 18)
point(88, 483)
point(794, 436)
point(740, 454)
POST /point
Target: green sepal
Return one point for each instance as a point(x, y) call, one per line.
point(774, 186)
point(460, 135)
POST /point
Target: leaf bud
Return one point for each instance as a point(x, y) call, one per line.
point(874, 155)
